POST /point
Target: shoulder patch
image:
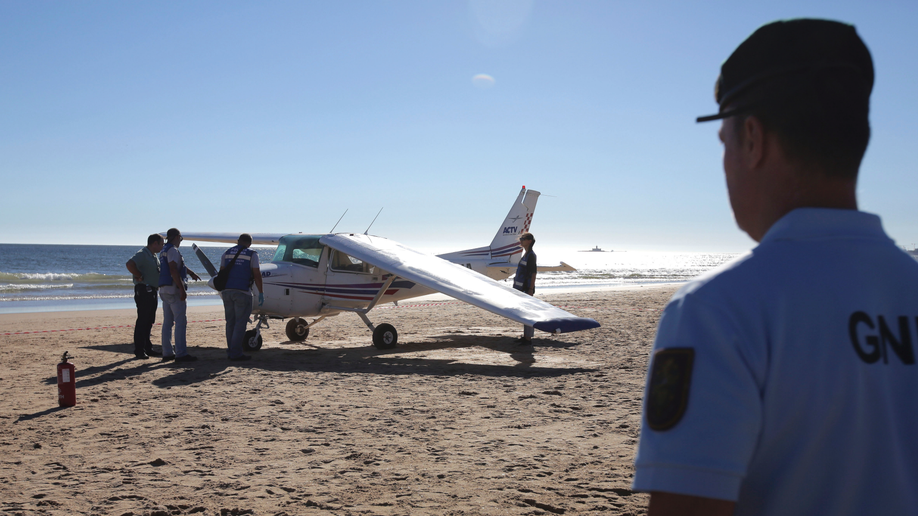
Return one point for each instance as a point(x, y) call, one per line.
point(667, 394)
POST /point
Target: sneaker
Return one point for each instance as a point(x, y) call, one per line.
point(154, 353)
point(168, 358)
point(241, 358)
point(185, 358)
point(141, 356)
point(523, 342)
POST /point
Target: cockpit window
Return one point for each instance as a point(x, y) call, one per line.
point(344, 262)
point(302, 249)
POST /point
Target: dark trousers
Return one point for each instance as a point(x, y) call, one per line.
point(146, 300)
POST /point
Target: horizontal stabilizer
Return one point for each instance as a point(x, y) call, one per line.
point(556, 268)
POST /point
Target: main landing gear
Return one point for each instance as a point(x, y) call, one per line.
point(297, 329)
point(385, 336)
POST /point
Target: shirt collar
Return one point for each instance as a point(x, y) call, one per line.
point(808, 223)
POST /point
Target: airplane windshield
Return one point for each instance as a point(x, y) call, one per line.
point(302, 249)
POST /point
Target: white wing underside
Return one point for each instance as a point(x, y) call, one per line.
point(457, 281)
point(231, 238)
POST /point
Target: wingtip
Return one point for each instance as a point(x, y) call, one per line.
point(566, 325)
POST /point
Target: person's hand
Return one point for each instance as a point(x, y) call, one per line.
point(194, 276)
point(261, 298)
point(184, 295)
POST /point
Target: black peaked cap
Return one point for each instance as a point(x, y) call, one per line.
point(787, 47)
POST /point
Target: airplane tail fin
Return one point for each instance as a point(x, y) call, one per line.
point(498, 259)
point(505, 245)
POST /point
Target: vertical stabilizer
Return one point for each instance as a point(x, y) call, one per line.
point(498, 260)
point(506, 243)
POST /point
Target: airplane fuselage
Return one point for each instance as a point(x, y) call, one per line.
point(308, 279)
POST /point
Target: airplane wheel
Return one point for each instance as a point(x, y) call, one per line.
point(251, 342)
point(385, 336)
point(297, 330)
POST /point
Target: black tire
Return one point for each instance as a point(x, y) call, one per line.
point(385, 336)
point(251, 342)
point(297, 330)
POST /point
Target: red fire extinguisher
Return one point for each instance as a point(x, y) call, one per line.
point(66, 381)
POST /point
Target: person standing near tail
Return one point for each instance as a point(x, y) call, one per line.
point(237, 296)
point(524, 281)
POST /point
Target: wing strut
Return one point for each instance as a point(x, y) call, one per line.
point(362, 312)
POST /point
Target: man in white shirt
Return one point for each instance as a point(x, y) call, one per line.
point(173, 290)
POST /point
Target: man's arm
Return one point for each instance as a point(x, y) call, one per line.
point(256, 274)
point(671, 504)
point(132, 268)
point(177, 280)
point(533, 269)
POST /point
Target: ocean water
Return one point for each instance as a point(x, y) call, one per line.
point(601, 269)
point(41, 278)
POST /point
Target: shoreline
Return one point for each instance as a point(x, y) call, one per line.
point(213, 300)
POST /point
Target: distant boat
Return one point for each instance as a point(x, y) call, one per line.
point(913, 252)
point(596, 249)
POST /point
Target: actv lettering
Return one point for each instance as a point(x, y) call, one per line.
point(509, 230)
point(872, 341)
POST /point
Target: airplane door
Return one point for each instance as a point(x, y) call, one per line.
point(293, 281)
point(350, 282)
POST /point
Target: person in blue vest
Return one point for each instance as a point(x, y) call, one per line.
point(237, 296)
point(524, 281)
point(144, 267)
point(173, 290)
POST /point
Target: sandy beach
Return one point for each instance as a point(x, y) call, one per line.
point(456, 420)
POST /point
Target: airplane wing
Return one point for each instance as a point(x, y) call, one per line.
point(231, 238)
point(457, 281)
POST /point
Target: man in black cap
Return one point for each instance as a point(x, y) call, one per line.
point(784, 383)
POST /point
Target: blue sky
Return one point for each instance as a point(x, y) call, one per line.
point(118, 119)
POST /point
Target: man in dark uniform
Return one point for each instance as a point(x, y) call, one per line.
point(144, 267)
point(524, 281)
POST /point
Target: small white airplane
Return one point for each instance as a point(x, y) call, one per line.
point(323, 275)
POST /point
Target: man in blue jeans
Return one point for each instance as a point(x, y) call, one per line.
point(173, 290)
point(237, 296)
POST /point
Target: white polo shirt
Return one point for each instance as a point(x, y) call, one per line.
point(787, 379)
